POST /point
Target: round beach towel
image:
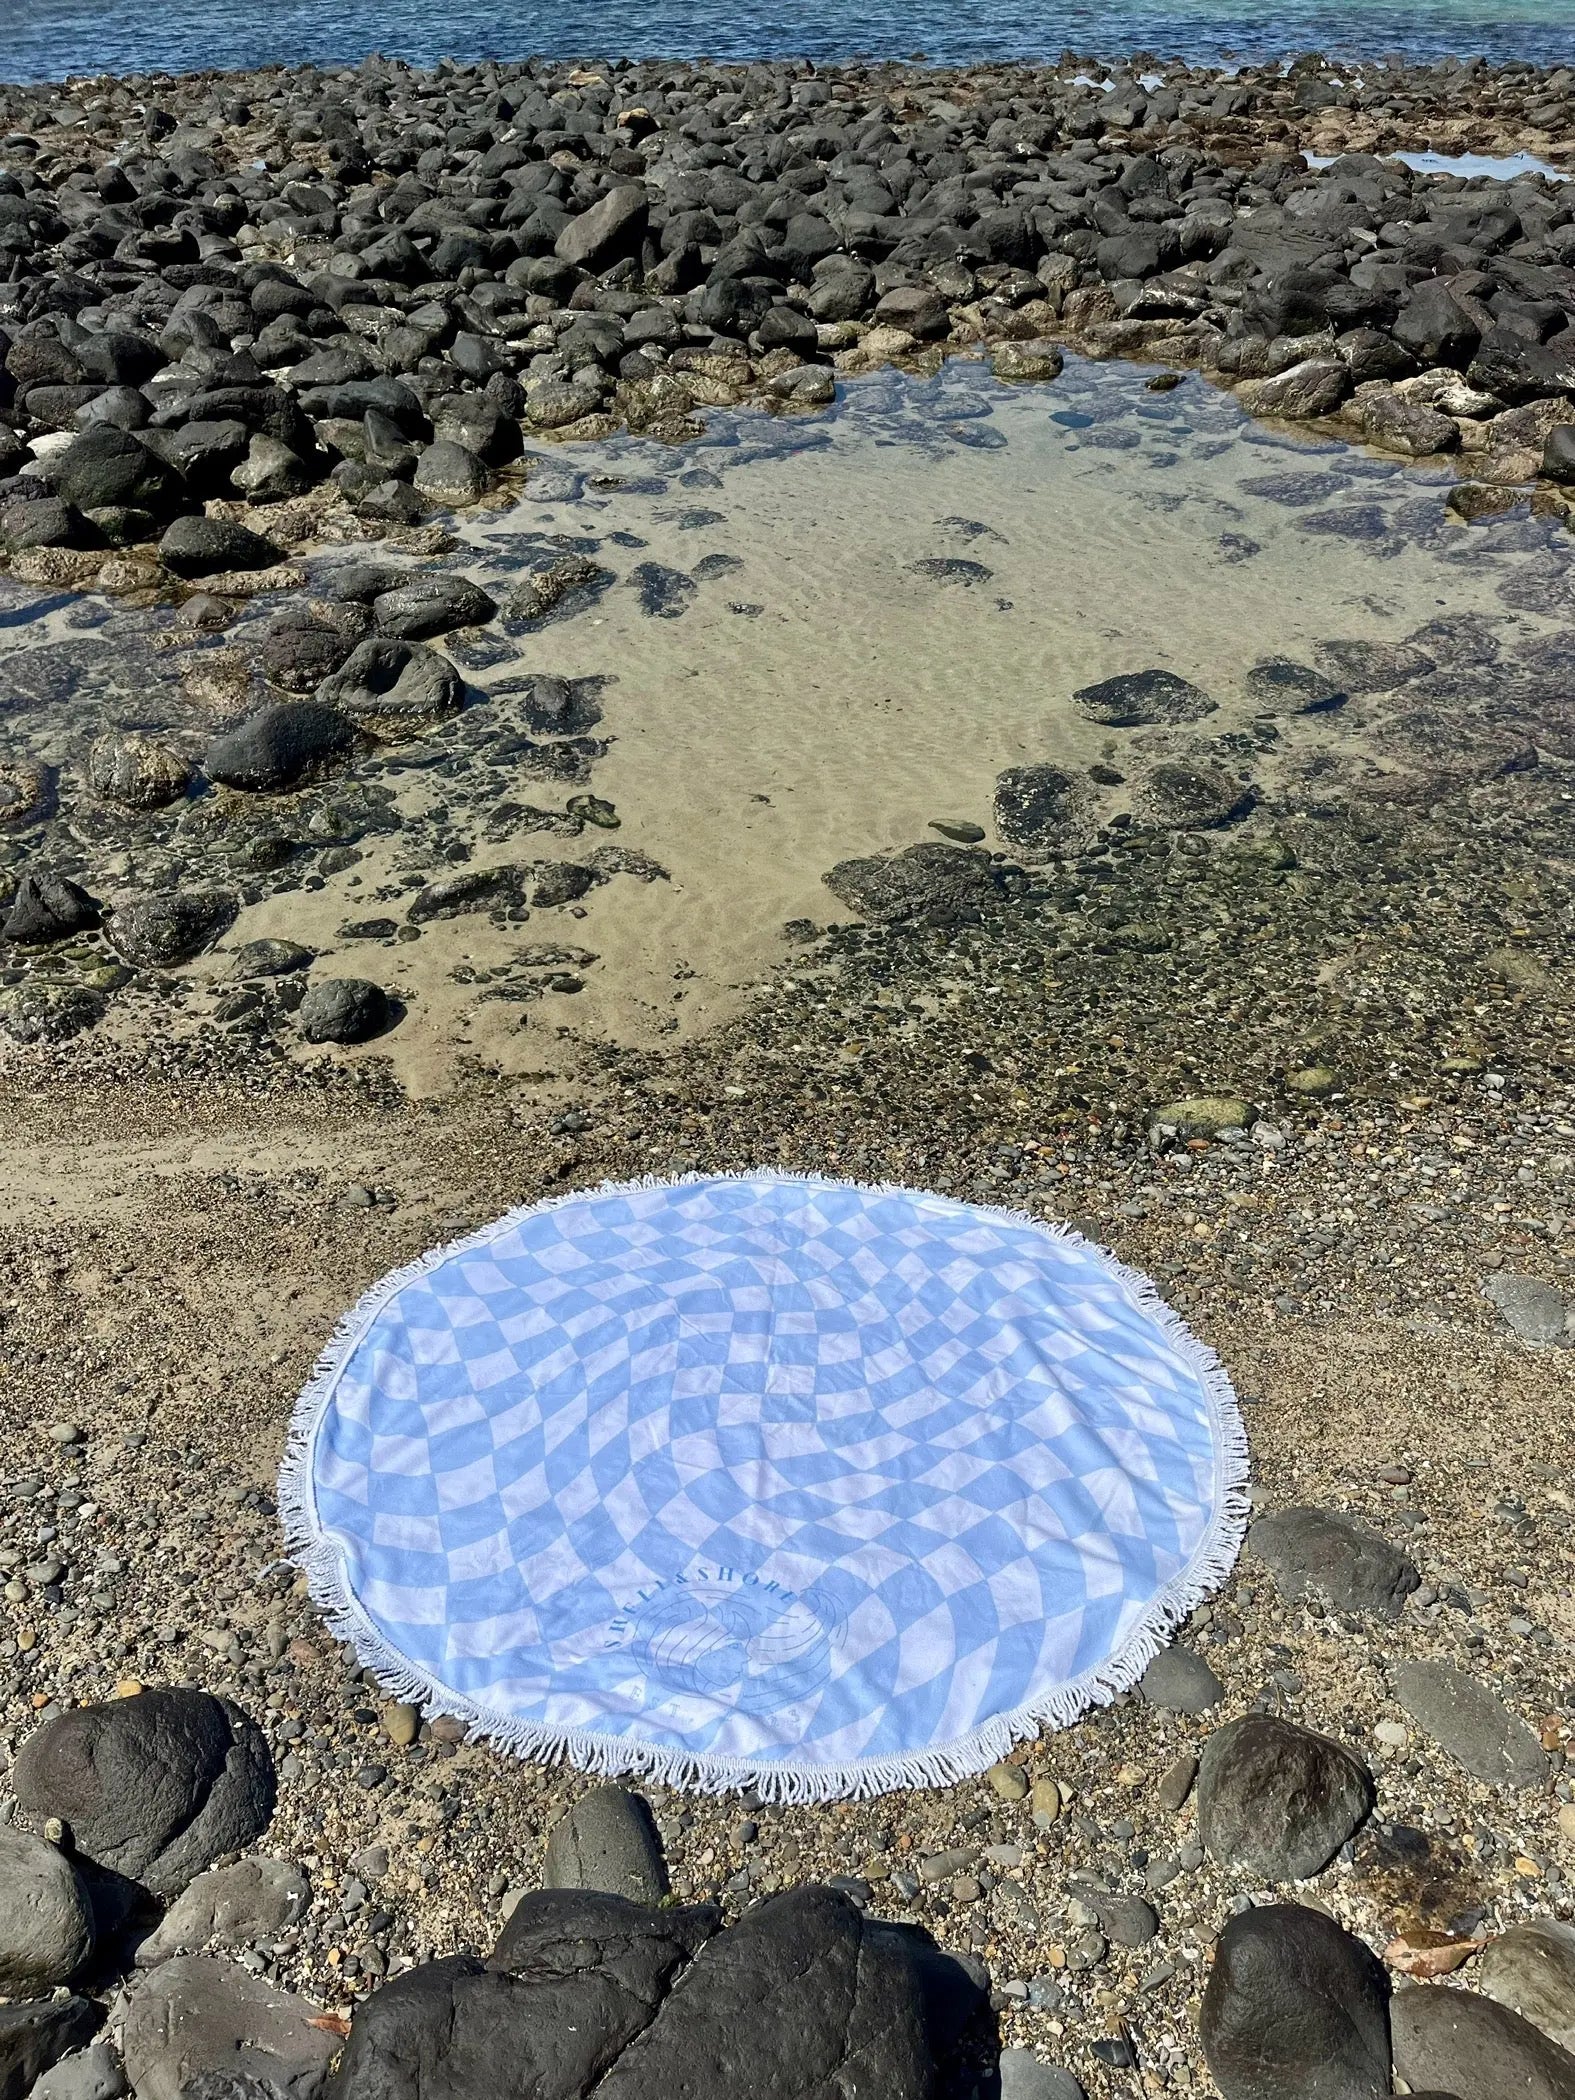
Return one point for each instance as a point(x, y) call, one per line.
point(764, 1481)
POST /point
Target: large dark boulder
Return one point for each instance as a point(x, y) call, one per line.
point(204, 454)
point(275, 745)
point(800, 2000)
point(49, 908)
point(1518, 368)
point(1278, 1800)
point(196, 546)
point(573, 1979)
point(1474, 2048)
point(1434, 327)
point(201, 2028)
point(107, 466)
point(155, 1787)
point(389, 681)
point(431, 604)
point(37, 2034)
point(1328, 1555)
point(1295, 2005)
point(344, 1010)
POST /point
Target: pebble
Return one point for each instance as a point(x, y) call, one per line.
point(1009, 1782)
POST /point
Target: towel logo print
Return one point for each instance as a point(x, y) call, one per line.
point(750, 1645)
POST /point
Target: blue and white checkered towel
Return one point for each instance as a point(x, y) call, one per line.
point(764, 1481)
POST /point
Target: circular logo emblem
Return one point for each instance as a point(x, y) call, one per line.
point(749, 1645)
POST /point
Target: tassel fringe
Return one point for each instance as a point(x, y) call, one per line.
point(782, 1780)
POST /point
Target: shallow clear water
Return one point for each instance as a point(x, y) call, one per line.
point(48, 39)
point(864, 618)
point(1473, 166)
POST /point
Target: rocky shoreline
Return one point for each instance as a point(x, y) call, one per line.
point(388, 285)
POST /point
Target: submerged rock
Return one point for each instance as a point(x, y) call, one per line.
point(156, 932)
point(1140, 699)
point(943, 882)
point(136, 770)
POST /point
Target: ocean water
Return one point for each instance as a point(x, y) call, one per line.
point(51, 39)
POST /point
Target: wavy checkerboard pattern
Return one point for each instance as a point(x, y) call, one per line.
point(764, 1480)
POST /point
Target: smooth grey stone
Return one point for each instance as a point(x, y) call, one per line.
point(200, 546)
point(1294, 2005)
point(46, 1921)
point(1179, 1681)
point(35, 2035)
point(1468, 1721)
point(432, 604)
point(270, 959)
point(199, 2014)
point(608, 1841)
point(273, 746)
point(395, 681)
point(1531, 1969)
point(1176, 1783)
point(154, 1787)
point(1457, 2042)
point(232, 1905)
point(1277, 1800)
point(1533, 1310)
point(451, 473)
point(87, 2074)
point(344, 1010)
point(1126, 1920)
point(1024, 2076)
point(1326, 1554)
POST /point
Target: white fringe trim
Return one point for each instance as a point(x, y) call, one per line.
point(943, 1764)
